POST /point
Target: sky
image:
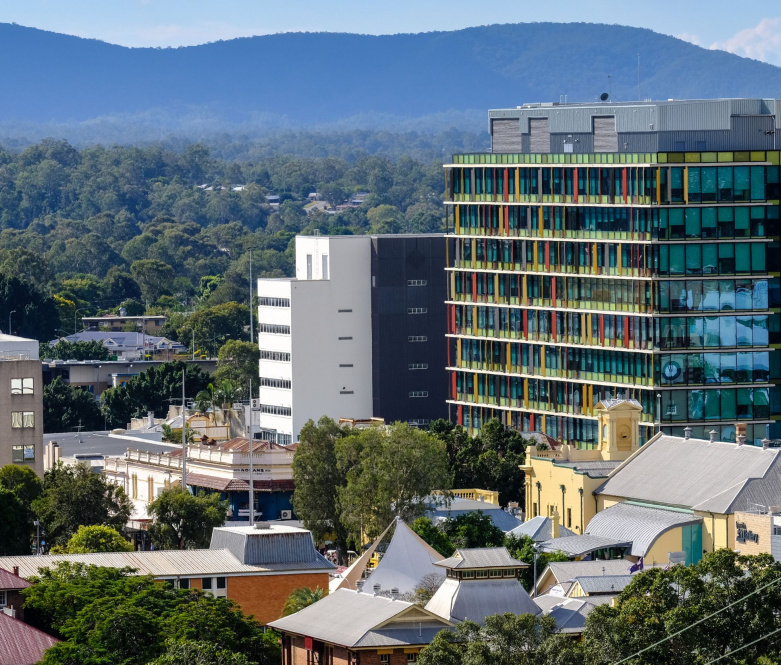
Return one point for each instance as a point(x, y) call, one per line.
point(749, 28)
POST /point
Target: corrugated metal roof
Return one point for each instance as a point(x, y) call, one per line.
point(639, 525)
point(501, 518)
point(604, 583)
point(581, 545)
point(161, 563)
point(570, 613)
point(10, 581)
point(421, 633)
point(476, 599)
point(694, 473)
point(275, 544)
point(345, 617)
point(539, 528)
point(563, 571)
point(21, 644)
point(482, 557)
point(593, 468)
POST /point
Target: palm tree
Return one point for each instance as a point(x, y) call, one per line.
point(205, 399)
point(301, 598)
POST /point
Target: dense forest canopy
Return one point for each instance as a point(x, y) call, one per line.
point(162, 230)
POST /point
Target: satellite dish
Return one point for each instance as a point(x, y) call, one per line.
point(603, 97)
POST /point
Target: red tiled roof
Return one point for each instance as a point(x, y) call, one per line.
point(21, 644)
point(10, 581)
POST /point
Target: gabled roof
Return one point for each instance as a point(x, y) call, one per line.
point(481, 557)
point(10, 581)
point(475, 600)
point(697, 474)
point(356, 620)
point(271, 545)
point(539, 528)
point(406, 562)
point(563, 571)
point(639, 525)
point(21, 644)
point(612, 584)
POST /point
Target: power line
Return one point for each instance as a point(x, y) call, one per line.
point(734, 651)
point(699, 621)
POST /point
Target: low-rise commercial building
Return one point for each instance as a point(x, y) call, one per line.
point(256, 567)
point(150, 325)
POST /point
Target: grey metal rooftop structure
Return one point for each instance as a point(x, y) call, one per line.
point(637, 127)
point(481, 557)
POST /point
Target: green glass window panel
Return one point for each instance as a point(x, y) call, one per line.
point(761, 403)
point(744, 368)
point(742, 257)
point(664, 296)
point(728, 367)
point(758, 257)
point(759, 294)
point(726, 259)
point(678, 407)
point(712, 331)
point(676, 223)
point(708, 223)
point(712, 407)
point(757, 183)
point(727, 294)
point(710, 259)
point(742, 183)
point(711, 364)
point(677, 259)
point(694, 259)
point(696, 332)
point(761, 367)
point(727, 331)
point(743, 331)
point(694, 294)
point(745, 403)
point(759, 330)
point(693, 223)
point(694, 184)
point(742, 223)
point(696, 405)
point(695, 369)
point(709, 183)
point(710, 295)
point(727, 403)
point(725, 183)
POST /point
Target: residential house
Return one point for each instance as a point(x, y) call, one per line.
point(129, 345)
point(11, 598)
point(21, 644)
point(151, 325)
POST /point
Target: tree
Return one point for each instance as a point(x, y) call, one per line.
point(109, 615)
point(385, 219)
point(198, 652)
point(390, 472)
point(34, 315)
point(212, 326)
point(14, 525)
point(74, 496)
point(152, 390)
point(524, 549)
point(237, 362)
point(318, 479)
point(153, 277)
point(22, 481)
point(97, 538)
point(185, 521)
point(473, 529)
point(434, 536)
point(489, 460)
point(64, 350)
point(301, 598)
point(65, 407)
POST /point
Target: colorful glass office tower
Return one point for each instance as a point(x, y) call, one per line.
point(606, 249)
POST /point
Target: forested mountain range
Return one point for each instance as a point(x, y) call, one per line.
point(312, 80)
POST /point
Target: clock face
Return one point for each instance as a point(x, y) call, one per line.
point(671, 371)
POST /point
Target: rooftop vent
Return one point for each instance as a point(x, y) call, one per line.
point(712, 435)
point(377, 589)
point(687, 432)
point(262, 525)
point(359, 586)
point(394, 593)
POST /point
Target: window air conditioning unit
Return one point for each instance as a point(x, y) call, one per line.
point(255, 404)
point(286, 514)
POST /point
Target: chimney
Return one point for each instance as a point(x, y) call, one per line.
point(359, 586)
point(150, 418)
point(394, 593)
point(687, 433)
point(555, 526)
point(712, 435)
point(741, 439)
point(16, 571)
point(765, 443)
point(377, 589)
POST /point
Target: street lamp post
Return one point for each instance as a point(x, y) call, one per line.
point(13, 311)
point(81, 309)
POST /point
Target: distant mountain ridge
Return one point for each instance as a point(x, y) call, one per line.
point(309, 80)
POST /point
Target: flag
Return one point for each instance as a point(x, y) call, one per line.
point(637, 566)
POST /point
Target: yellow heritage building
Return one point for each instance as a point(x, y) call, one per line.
point(671, 499)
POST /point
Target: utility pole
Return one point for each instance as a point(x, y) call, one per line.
point(184, 438)
point(251, 315)
point(251, 451)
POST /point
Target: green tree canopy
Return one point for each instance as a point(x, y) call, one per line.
point(64, 350)
point(198, 652)
point(14, 525)
point(524, 549)
point(434, 536)
point(301, 598)
point(473, 529)
point(237, 362)
point(152, 390)
point(184, 521)
point(74, 496)
point(22, 481)
point(66, 407)
point(97, 538)
point(153, 277)
point(108, 615)
point(213, 326)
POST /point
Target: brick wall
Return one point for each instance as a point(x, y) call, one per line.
point(294, 652)
point(398, 657)
point(265, 595)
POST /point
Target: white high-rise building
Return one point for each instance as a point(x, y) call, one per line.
point(329, 358)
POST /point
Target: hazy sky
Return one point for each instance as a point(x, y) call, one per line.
point(746, 27)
